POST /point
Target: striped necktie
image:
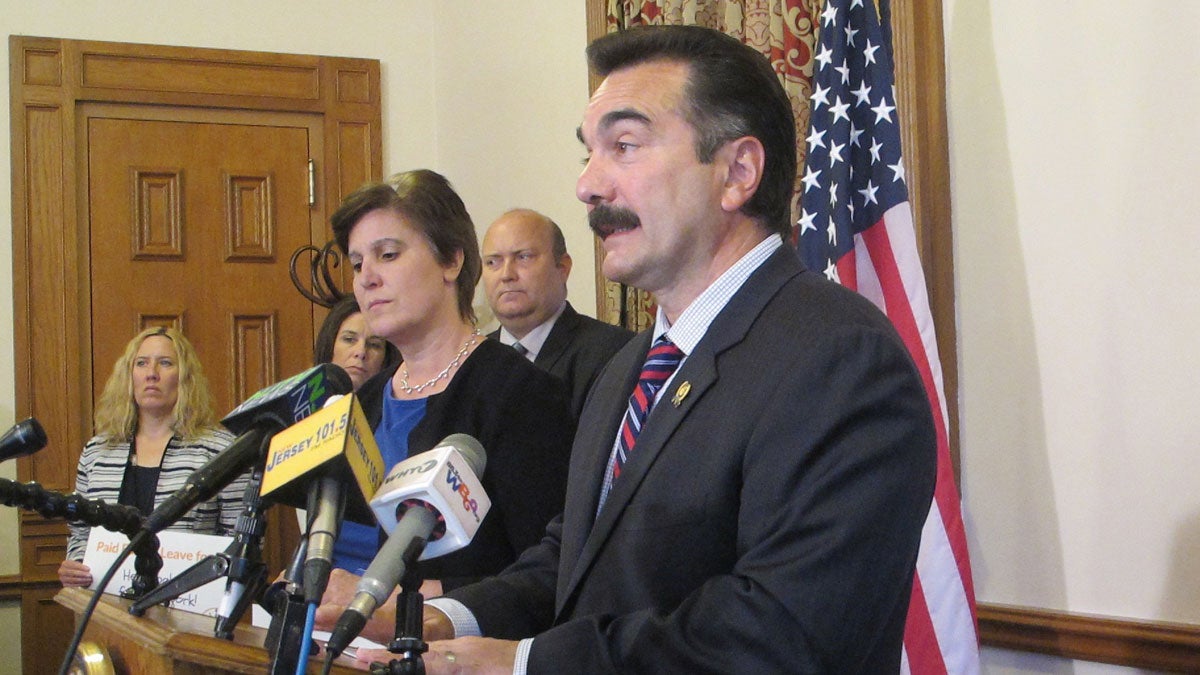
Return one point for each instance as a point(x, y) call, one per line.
point(661, 362)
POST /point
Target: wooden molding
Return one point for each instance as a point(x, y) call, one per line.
point(10, 587)
point(919, 45)
point(1159, 645)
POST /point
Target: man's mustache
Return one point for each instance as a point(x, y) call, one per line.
point(605, 219)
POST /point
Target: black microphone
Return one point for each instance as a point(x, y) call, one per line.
point(286, 402)
point(256, 420)
point(24, 438)
point(434, 493)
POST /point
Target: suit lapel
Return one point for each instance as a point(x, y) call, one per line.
point(699, 372)
point(558, 339)
point(594, 439)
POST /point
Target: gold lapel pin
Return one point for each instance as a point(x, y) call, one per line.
point(681, 393)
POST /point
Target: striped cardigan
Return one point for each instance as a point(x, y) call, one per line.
point(102, 469)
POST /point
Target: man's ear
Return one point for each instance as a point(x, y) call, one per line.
point(564, 264)
point(745, 159)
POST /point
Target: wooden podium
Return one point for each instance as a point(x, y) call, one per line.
point(173, 641)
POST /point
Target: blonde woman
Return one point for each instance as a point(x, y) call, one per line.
point(154, 427)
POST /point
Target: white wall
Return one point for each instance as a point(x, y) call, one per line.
point(509, 99)
point(490, 98)
point(1073, 143)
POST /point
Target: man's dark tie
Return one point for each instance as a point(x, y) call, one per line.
point(520, 348)
point(661, 362)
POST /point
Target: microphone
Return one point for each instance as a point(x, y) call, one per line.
point(329, 463)
point(433, 497)
point(24, 438)
point(286, 402)
point(259, 417)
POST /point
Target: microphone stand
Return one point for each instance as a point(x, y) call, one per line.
point(241, 562)
point(285, 600)
point(94, 513)
point(409, 641)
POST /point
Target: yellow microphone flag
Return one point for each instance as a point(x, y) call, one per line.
point(335, 439)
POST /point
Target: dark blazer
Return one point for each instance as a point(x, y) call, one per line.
point(519, 414)
point(767, 520)
point(576, 350)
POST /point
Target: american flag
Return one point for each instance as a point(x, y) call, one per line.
point(856, 227)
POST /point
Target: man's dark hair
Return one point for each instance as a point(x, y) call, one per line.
point(427, 202)
point(732, 91)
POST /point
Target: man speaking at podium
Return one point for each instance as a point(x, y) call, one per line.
point(764, 516)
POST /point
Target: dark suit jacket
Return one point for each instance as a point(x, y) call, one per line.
point(576, 350)
point(519, 415)
point(767, 521)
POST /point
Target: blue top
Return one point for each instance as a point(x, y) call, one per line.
point(357, 544)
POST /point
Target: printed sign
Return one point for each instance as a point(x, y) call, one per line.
point(179, 550)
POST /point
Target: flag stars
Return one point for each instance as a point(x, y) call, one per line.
point(806, 221)
point(820, 95)
point(869, 194)
point(810, 179)
point(862, 94)
point(876, 146)
point(831, 272)
point(835, 153)
point(824, 57)
point(869, 52)
point(829, 16)
point(855, 182)
point(883, 111)
point(855, 132)
point(839, 110)
point(845, 71)
point(815, 139)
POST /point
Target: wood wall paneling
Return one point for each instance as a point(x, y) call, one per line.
point(42, 621)
point(1162, 646)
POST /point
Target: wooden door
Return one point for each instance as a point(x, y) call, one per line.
point(192, 221)
point(80, 288)
point(192, 224)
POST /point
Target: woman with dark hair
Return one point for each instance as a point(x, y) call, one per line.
point(154, 427)
point(413, 249)
point(345, 340)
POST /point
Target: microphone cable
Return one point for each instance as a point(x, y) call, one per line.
point(310, 619)
point(138, 539)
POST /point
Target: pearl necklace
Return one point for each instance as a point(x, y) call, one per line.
point(410, 390)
